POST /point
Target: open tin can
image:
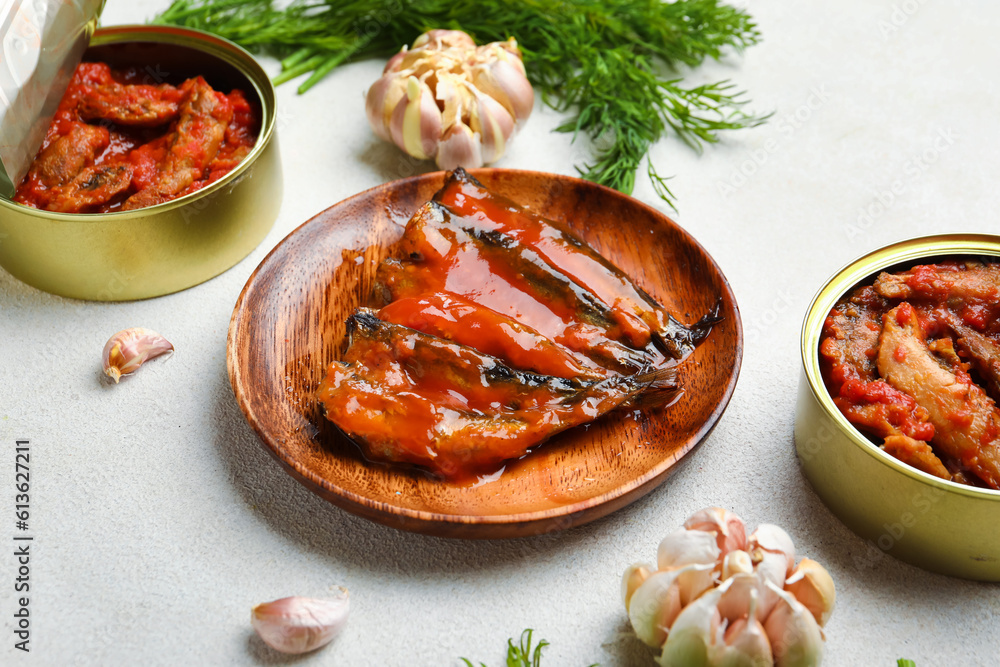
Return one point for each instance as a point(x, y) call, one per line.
point(932, 523)
point(174, 245)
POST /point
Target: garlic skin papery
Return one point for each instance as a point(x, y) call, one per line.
point(447, 99)
point(128, 349)
point(299, 625)
point(721, 598)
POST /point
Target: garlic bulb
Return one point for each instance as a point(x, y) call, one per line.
point(723, 599)
point(447, 99)
point(300, 625)
point(128, 349)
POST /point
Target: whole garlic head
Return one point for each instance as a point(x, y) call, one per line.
point(723, 597)
point(447, 99)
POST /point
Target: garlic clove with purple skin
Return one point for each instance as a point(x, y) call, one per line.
point(684, 547)
point(796, 639)
point(729, 528)
point(129, 349)
point(812, 585)
point(497, 50)
point(460, 147)
point(493, 124)
point(416, 121)
point(299, 625)
point(381, 101)
point(501, 80)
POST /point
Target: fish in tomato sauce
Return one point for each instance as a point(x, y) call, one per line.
point(409, 397)
point(638, 318)
point(117, 142)
point(913, 359)
point(485, 346)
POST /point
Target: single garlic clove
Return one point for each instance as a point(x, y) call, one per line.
point(653, 607)
point(492, 123)
point(795, 637)
point(443, 39)
point(736, 562)
point(736, 602)
point(684, 547)
point(746, 642)
point(773, 539)
point(416, 121)
point(729, 528)
point(455, 99)
point(460, 147)
point(693, 580)
point(505, 83)
point(510, 46)
point(128, 349)
point(697, 628)
point(381, 101)
point(661, 597)
point(635, 575)
point(771, 569)
point(297, 624)
point(812, 585)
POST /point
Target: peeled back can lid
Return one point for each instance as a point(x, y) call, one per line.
point(41, 43)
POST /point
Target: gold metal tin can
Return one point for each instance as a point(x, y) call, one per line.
point(171, 246)
point(935, 524)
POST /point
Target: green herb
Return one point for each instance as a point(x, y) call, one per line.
point(522, 655)
point(611, 64)
point(903, 662)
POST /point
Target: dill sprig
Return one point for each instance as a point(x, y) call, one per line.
point(611, 65)
point(521, 654)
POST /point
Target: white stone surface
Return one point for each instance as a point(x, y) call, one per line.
point(160, 520)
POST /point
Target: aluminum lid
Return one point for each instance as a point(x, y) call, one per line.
point(41, 43)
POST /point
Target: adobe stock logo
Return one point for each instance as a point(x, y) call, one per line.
point(786, 126)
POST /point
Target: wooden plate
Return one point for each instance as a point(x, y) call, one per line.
point(289, 324)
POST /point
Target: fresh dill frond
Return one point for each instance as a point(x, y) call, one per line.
point(522, 654)
point(611, 65)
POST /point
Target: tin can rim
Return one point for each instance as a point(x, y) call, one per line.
point(846, 278)
point(219, 47)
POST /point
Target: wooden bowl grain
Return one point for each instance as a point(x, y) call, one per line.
point(289, 323)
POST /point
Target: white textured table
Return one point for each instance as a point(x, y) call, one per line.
point(160, 520)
